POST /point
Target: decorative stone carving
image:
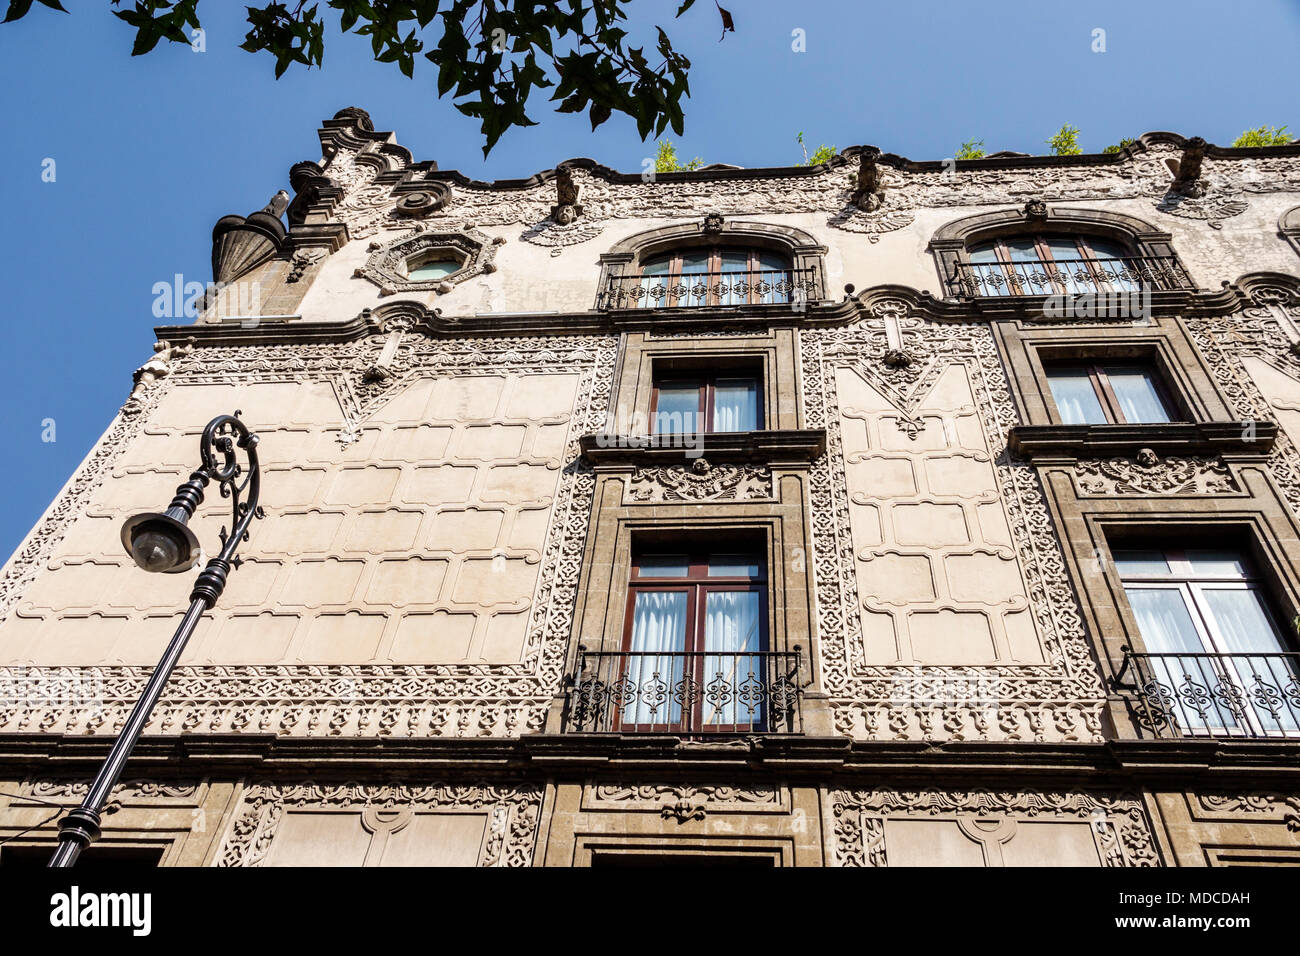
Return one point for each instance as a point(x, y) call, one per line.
point(713, 225)
point(1059, 700)
point(1141, 174)
point(558, 236)
point(684, 802)
point(386, 266)
point(159, 366)
point(512, 814)
point(1151, 476)
point(434, 197)
point(241, 244)
point(1288, 805)
point(339, 700)
point(701, 482)
point(869, 188)
point(1119, 824)
point(302, 260)
point(566, 208)
point(1036, 210)
point(1188, 181)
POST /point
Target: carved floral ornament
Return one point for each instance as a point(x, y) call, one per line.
point(684, 802)
point(389, 262)
point(701, 482)
point(871, 200)
point(1119, 824)
point(1148, 474)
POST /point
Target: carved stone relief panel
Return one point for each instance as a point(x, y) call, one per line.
point(1153, 476)
point(944, 609)
point(984, 828)
point(415, 574)
point(313, 824)
point(700, 481)
point(1251, 359)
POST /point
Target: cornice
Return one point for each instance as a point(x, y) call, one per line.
point(833, 760)
point(759, 447)
point(1041, 444)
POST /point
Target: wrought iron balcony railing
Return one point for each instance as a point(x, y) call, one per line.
point(1068, 277)
point(702, 289)
point(689, 693)
point(1215, 695)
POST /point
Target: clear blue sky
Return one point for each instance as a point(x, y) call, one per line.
point(151, 151)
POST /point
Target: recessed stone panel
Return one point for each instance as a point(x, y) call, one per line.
point(433, 638)
point(466, 398)
point(307, 532)
point(985, 578)
point(379, 531)
point(318, 583)
point(460, 531)
point(489, 582)
point(363, 486)
point(875, 477)
point(505, 637)
point(934, 525)
point(519, 483)
point(252, 639)
point(407, 581)
point(951, 637)
point(896, 579)
point(542, 396)
point(438, 484)
point(342, 638)
point(490, 442)
point(960, 475)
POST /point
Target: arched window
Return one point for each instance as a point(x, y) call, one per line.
point(1055, 251)
point(706, 276)
point(1051, 265)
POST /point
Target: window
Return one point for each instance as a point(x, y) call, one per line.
point(430, 270)
point(693, 643)
point(1046, 265)
point(1110, 392)
point(687, 405)
point(1213, 643)
point(714, 276)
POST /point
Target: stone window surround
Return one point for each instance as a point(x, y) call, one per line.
point(1091, 526)
point(950, 243)
point(1162, 342)
point(803, 251)
point(1289, 227)
point(772, 356)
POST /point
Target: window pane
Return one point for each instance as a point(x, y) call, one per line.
point(1132, 563)
point(988, 275)
point(1135, 389)
point(735, 405)
point(433, 269)
point(663, 566)
point(1216, 564)
point(775, 272)
point(1164, 621)
point(695, 269)
point(1075, 397)
point(1069, 271)
point(1023, 250)
point(652, 671)
point(1106, 250)
point(677, 409)
point(654, 279)
point(732, 566)
point(1244, 628)
point(986, 252)
point(1242, 622)
point(733, 680)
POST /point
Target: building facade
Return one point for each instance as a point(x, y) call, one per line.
point(877, 513)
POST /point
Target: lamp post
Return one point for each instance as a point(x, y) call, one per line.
point(164, 543)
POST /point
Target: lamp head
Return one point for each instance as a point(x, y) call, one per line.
point(160, 543)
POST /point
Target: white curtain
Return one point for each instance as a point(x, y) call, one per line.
point(1244, 628)
point(1137, 395)
point(735, 405)
point(658, 629)
point(1075, 398)
point(731, 635)
point(1166, 628)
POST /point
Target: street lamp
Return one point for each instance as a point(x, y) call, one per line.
point(163, 542)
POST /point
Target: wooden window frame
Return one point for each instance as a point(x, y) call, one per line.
point(1043, 251)
point(706, 387)
point(1110, 404)
point(697, 583)
point(714, 267)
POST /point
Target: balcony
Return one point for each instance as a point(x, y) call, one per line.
point(1215, 695)
point(686, 693)
point(1068, 277)
point(705, 289)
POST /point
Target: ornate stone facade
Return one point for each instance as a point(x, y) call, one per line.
point(461, 474)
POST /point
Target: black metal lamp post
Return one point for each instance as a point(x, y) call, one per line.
point(164, 542)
